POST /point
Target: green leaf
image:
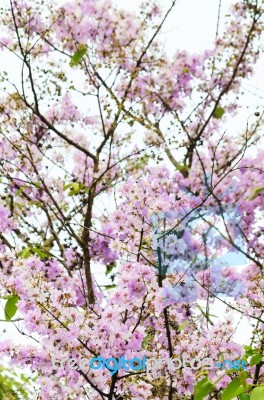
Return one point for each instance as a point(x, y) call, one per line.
point(109, 268)
point(255, 359)
point(36, 203)
point(183, 326)
point(239, 391)
point(42, 252)
point(39, 252)
point(77, 56)
point(256, 192)
point(20, 191)
point(25, 253)
point(107, 287)
point(146, 341)
point(66, 186)
point(11, 307)
point(184, 169)
point(244, 396)
point(74, 187)
point(14, 385)
point(257, 393)
point(202, 388)
point(231, 390)
point(249, 351)
point(37, 184)
point(243, 376)
point(18, 205)
point(218, 112)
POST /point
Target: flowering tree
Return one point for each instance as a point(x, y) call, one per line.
point(102, 132)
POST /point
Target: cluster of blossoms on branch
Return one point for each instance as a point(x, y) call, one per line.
point(103, 131)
